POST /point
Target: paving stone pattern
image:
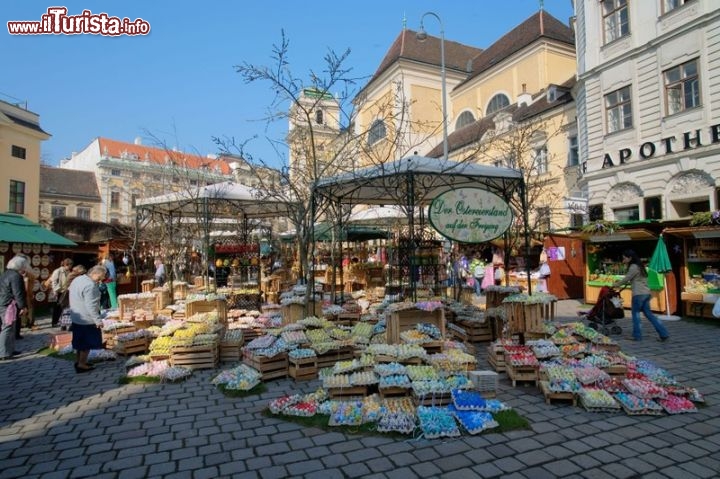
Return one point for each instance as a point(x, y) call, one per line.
point(55, 423)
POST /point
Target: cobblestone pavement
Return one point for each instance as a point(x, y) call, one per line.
point(57, 424)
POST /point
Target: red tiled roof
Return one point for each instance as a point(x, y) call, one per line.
point(120, 149)
point(407, 46)
point(540, 25)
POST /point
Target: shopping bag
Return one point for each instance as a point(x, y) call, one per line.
point(716, 309)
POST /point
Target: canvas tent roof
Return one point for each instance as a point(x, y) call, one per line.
point(421, 177)
point(18, 229)
point(226, 199)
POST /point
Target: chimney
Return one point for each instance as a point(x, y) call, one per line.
point(138, 140)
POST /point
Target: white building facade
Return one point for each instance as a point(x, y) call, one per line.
point(648, 102)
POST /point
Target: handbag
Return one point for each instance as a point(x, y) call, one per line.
point(10, 313)
point(716, 309)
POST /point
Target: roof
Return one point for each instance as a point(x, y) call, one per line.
point(70, 183)
point(25, 123)
point(18, 229)
point(408, 47)
point(539, 25)
point(132, 151)
point(474, 132)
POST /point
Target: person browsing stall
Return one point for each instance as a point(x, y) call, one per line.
point(85, 315)
point(637, 277)
point(13, 303)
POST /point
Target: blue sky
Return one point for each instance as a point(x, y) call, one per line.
point(178, 83)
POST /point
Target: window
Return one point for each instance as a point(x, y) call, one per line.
point(133, 199)
point(631, 213)
point(19, 152)
point(83, 213)
point(319, 117)
point(57, 211)
point(17, 197)
point(573, 152)
point(615, 19)
point(576, 220)
point(115, 172)
point(193, 182)
point(653, 208)
point(543, 218)
point(466, 118)
point(618, 110)
point(114, 199)
point(377, 132)
point(682, 87)
point(497, 103)
point(136, 175)
point(541, 161)
point(670, 5)
point(596, 213)
point(157, 178)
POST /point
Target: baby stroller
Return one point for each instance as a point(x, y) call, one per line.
point(607, 309)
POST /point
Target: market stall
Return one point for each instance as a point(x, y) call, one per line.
point(698, 249)
point(604, 266)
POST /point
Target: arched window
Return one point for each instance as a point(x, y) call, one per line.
point(497, 103)
point(319, 117)
point(377, 132)
point(464, 119)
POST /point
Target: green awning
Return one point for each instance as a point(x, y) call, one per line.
point(18, 229)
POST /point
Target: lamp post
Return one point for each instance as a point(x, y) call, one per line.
point(422, 36)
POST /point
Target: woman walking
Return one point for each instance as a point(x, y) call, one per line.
point(85, 315)
point(636, 276)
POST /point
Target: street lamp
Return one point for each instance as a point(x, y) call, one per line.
point(422, 36)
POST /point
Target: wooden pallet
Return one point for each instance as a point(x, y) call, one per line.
point(555, 396)
point(522, 374)
point(617, 370)
point(303, 369)
point(195, 357)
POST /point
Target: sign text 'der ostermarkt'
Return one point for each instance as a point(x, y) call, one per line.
point(470, 215)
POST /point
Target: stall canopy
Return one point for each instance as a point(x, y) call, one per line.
point(324, 232)
point(414, 182)
point(227, 199)
point(18, 229)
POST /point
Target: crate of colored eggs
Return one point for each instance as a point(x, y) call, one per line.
point(597, 400)
point(677, 404)
point(437, 422)
point(634, 405)
point(473, 421)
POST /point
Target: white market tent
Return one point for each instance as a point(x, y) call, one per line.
point(215, 203)
point(414, 182)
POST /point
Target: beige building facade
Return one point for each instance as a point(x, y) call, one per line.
point(68, 193)
point(20, 146)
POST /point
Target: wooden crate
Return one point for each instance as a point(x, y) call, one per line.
point(180, 291)
point(395, 392)
point(348, 319)
point(524, 317)
point(133, 346)
point(331, 357)
point(554, 396)
point(407, 319)
point(110, 338)
point(496, 357)
point(303, 369)
point(617, 370)
point(147, 285)
point(292, 313)
point(471, 331)
point(439, 399)
point(127, 306)
point(60, 340)
point(162, 298)
point(230, 352)
point(199, 307)
point(348, 393)
point(195, 357)
point(521, 373)
point(269, 368)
